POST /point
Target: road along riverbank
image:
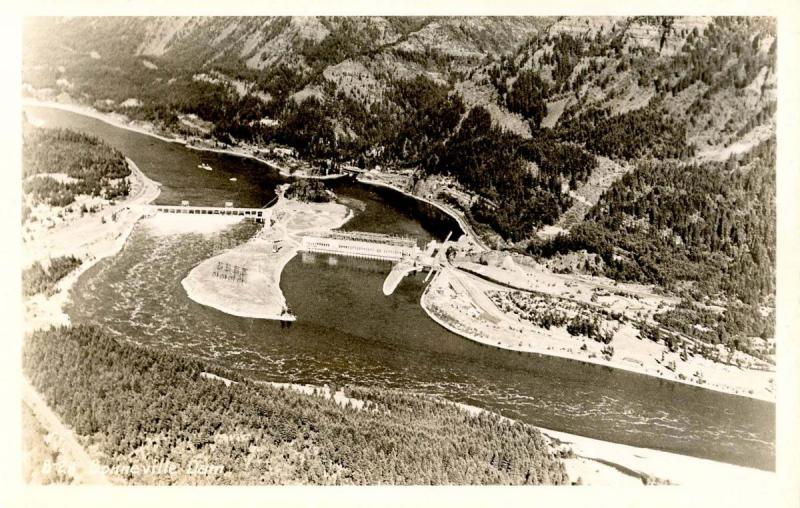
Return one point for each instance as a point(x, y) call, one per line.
point(458, 301)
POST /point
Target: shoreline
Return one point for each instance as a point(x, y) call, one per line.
point(90, 112)
point(115, 121)
point(593, 461)
point(125, 232)
point(426, 306)
point(52, 307)
point(462, 222)
point(281, 170)
point(635, 462)
point(109, 119)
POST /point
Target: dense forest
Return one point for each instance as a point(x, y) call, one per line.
point(685, 222)
point(711, 225)
point(492, 162)
point(646, 132)
point(141, 407)
point(94, 168)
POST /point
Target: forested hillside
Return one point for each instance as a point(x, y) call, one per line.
point(93, 167)
point(393, 91)
point(142, 408)
point(701, 230)
point(512, 112)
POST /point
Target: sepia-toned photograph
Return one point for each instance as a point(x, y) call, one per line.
point(399, 250)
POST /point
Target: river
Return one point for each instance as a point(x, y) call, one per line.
point(347, 331)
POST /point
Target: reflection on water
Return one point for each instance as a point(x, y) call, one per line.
point(349, 332)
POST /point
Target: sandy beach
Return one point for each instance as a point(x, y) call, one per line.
point(258, 293)
point(592, 462)
point(116, 120)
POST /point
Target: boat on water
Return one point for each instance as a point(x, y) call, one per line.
point(204, 166)
point(232, 179)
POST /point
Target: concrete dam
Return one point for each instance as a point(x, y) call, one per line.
point(404, 253)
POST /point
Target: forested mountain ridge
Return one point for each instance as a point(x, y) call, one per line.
point(532, 119)
point(619, 63)
point(388, 91)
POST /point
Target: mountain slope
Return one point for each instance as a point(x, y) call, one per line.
point(532, 121)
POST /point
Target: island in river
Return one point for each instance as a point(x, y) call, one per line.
point(257, 292)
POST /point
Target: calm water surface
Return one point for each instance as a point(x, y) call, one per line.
point(349, 332)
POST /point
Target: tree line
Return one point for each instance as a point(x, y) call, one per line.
point(38, 279)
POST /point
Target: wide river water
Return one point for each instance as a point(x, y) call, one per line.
point(347, 331)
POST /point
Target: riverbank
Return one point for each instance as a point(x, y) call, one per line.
point(240, 152)
point(499, 377)
point(218, 281)
point(601, 463)
point(588, 461)
point(458, 302)
point(473, 239)
point(113, 119)
point(148, 129)
point(90, 238)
